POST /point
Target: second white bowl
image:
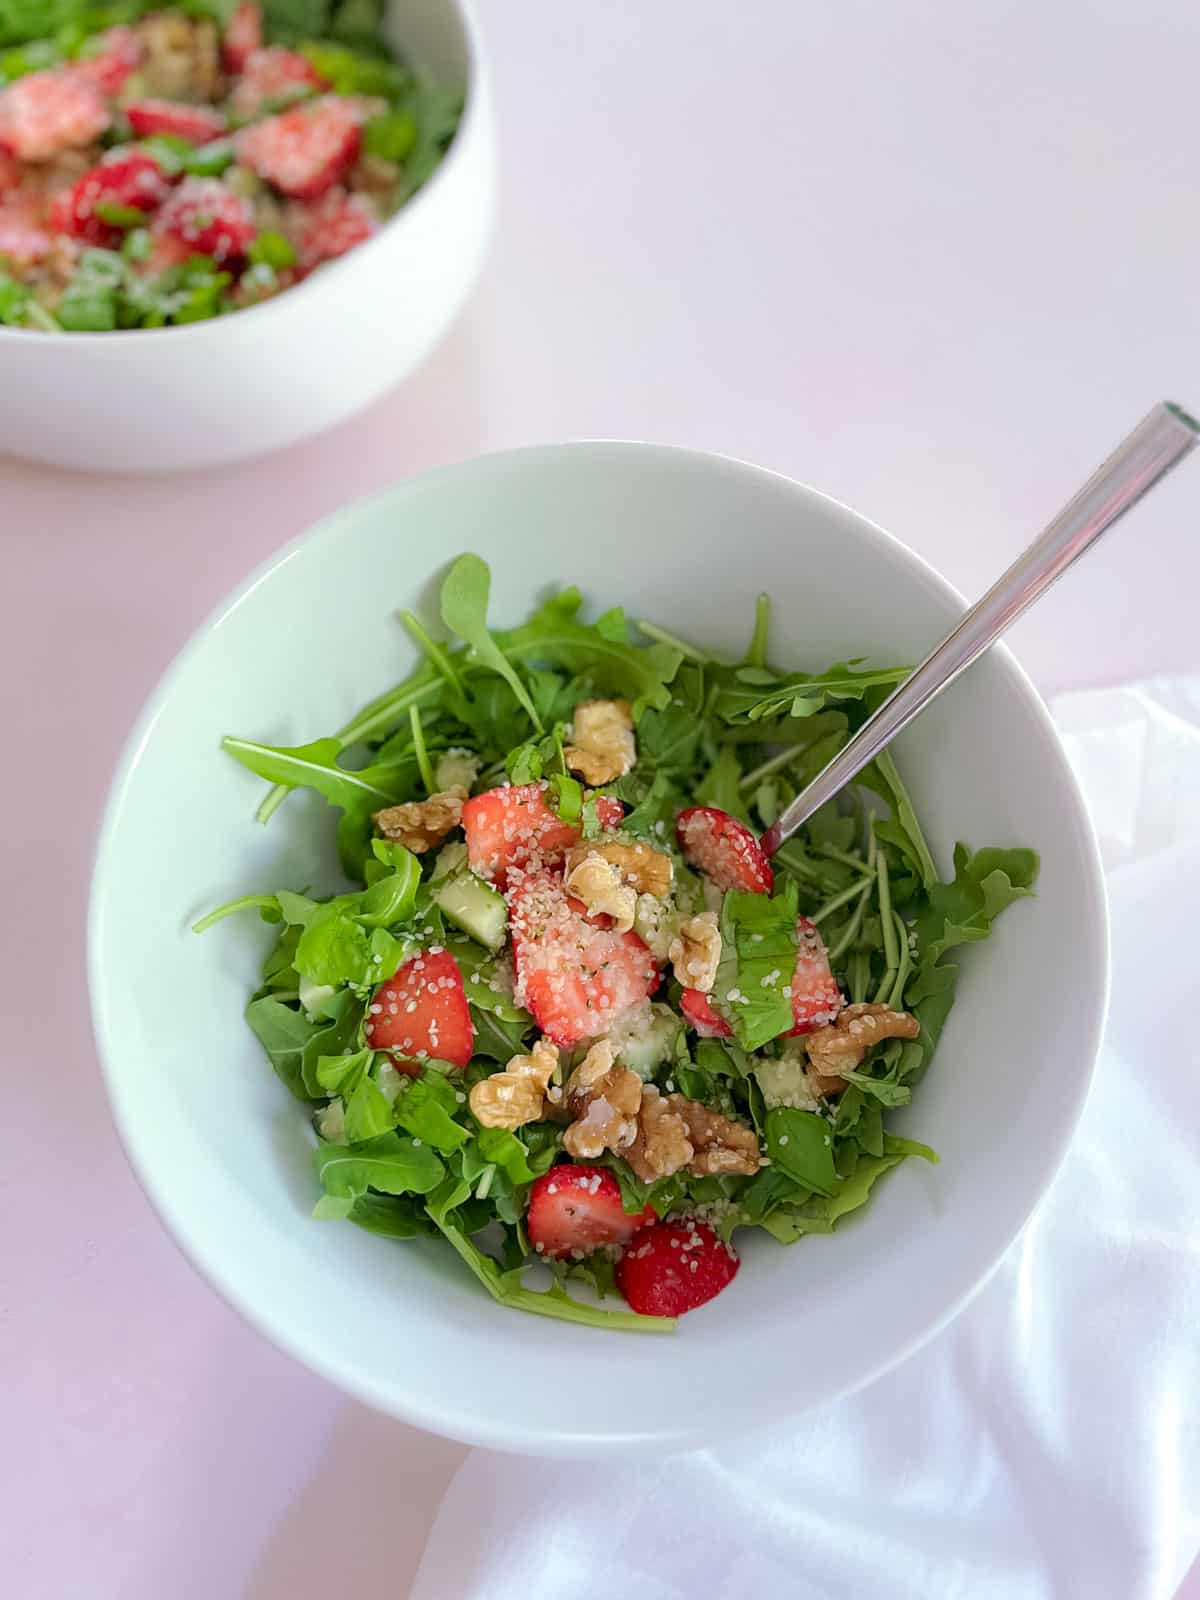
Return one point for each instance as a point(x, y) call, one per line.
point(212, 392)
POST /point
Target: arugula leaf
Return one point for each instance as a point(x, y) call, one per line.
point(887, 1093)
point(639, 673)
point(333, 949)
point(341, 1075)
point(295, 1045)
point(801, 694)
point(315, 766)
point(388, 1164)
point(497, 1038)
point(758, 959)
point(426, 1109)
point(392, 1216)
point(801, 1144)
point(465, 591)
point(368, 1112)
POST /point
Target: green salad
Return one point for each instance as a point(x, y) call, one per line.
point(570, 1018)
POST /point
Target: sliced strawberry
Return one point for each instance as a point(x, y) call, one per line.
point(725, 849)
point(816, 998)
point(10, 172)
point(133, 179)
point(673, 1267)
point(304, 152)
point(516, 826)
point(243, 36)
point(112, 57)
point(199, 124)
point(576, 978)
point(699, 1014)
point(272, 74)
point(24, 238)
point(575, 1210)
point(330, 227)
point(45, 113)
point(421, 1013)
point(210, 218)
point(166, 251)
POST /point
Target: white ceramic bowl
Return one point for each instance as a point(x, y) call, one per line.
point(212, 392)
point(225, 1153)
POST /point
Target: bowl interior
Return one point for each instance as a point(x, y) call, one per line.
point(223, 1150)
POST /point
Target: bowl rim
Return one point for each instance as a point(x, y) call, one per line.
point(416, 1410)
point(465, 136)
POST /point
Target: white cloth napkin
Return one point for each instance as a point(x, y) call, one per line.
point(1048, 1443)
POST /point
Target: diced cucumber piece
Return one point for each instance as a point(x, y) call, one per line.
point(647, 1039)
point(473, 906)
point(450, 858)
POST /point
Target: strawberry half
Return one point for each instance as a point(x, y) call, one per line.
point(421, 1014)
point(816, 998)
point(575, 1210)
point(724, 849)
point(307, 150)
point(243, 36)
point(45, 113)
point(516, 826)
point(335, 224)
point(210, 218)
point(199, 124)
point(132, 180)
point(673, 1267)
point(576, 978)
point(113, 55)
point(699, 1014)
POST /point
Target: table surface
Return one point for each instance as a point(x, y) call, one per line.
point(934, 263)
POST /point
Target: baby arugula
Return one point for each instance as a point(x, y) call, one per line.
point(402, 1156)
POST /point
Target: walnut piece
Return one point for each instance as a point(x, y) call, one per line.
point(841, 1046)
point(604, 1100)
point(598, 884)
point(603, 746)
point(696, 951)
point(182, 58)
point(721, 1144)
point(511, 1098)
point(420, 824)
point(647, 870)
point(662, 1145)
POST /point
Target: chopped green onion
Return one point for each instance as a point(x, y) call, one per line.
point(119, 216)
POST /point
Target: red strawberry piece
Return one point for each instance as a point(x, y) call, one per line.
point(816, 998)
point(243, 36)
point(330, 227)
point(699, 1014)
point(166, 251)
point(270, 75)
point(611, 813)
point(673, 1267)
point(421, 1013)
point(575, 1210)
point(10, 172)
point(516, 826)
point(725, 849)
point(209, 217)
point(23, 237)
point(305, 151)
point(197, 123)
point(113, 56)
point(48, 112)
point(129, 179)
point(576, 978)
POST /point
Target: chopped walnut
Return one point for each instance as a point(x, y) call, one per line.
point(373, 174)
point(511, 1098)
point(647, 870)
point(696, 952)
point(598, 884)
point(603, 747)
point(182, 58)
point(604, 1100)
point(420, 824)
point(662, 1146)
point(841, 1046)
point(721, 1144)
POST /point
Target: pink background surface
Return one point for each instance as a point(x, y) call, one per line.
point(921, 265)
